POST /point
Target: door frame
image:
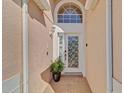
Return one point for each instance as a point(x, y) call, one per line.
point(66, 48)
point(83, 38)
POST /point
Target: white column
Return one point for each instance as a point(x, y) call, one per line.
point(109, 45)
point(25, 46)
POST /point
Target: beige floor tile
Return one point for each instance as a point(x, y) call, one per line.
point(71, 84)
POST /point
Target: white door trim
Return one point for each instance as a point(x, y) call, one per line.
point(25, 45)
point(109, 45)
point(79, 54)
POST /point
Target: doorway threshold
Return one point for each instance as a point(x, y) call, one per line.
point(73, 73)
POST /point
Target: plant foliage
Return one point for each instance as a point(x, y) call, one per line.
point(57, 66)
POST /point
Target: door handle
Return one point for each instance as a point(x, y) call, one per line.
point(65, 54)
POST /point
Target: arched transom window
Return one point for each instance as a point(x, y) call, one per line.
point(69, 13)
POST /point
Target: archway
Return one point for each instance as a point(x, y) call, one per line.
point(70, 16)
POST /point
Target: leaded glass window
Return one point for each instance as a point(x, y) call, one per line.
point(61, 45)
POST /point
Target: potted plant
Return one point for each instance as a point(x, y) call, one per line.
point(56, 68)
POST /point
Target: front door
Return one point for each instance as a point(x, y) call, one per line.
point(72, 49)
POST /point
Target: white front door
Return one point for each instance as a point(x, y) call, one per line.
point(72, 51)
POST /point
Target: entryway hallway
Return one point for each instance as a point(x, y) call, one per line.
point(71, 84)
point(85, 34)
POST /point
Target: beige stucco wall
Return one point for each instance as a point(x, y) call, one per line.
point(40, 24)
point(96, 50)
point(57, 1)
point(12, 38)
point(117, 40)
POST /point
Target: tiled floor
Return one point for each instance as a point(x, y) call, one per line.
point(71, 84)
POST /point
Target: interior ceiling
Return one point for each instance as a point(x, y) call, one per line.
point(82, 1)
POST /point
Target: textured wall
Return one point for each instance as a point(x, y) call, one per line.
point(40, 43)
point(12, 46)
point(96, 50)
point(12, 38)
point(57, 1)
point(117, 40)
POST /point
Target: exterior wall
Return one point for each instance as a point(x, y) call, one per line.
point(81, 1)
point(96, 49)
point(117, 39)
point(71, 28)
point(40, 24)
point(52, 3)
point(12, 45)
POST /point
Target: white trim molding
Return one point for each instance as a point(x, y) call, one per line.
point(109, 45)
point(56, 30)
point(64, 2)
point(25, 46)
point(43, 4)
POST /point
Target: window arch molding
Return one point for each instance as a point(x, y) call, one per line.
point(69, 13)
point(62, 2)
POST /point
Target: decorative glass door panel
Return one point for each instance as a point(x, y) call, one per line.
point(73, 51)
point(61, 46)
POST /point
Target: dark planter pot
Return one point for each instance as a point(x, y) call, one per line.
point(56, 76)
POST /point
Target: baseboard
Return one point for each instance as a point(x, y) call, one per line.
point(117, 86)
point(72, 73)
point(11, 85)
